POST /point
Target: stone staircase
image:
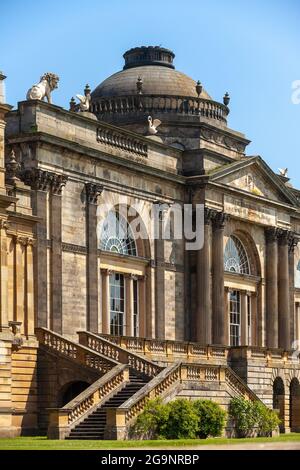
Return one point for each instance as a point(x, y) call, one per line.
point(93, 426)
point(108, 407)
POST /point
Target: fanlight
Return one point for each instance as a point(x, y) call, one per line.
point(117, 235)
point(235, 257)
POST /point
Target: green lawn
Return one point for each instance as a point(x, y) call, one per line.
point(42, 443)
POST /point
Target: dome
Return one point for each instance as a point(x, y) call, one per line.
point(150, 85)
point(155, 67)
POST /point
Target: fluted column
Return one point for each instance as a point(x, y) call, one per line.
point(105, 301)
point(129, 304)
point(244, 319)
point(293, 243)
point(283, 291)
point(203, 322)
point(271, 288)
point(218, 316)
point(142, 305)
point(93, 191)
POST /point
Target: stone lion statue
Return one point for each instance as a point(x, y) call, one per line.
point(48, 82)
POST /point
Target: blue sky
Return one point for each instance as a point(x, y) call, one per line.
point(249, 48)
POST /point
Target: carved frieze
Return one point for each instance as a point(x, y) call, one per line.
point(225, 140)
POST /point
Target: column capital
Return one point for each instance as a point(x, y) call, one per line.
point(284, 237)
point(43, 180)
point(293, 242)
point(58, 183)
point(219, 219)
point(93, 191)
point(271, 234)
point(209, 215)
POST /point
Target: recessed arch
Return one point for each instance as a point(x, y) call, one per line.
point(235, 256)
point(71, 390)
point(295, 405)
point(279, 400)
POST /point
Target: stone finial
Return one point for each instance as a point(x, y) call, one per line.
point(226, 98)
point(48, 83)
point(139, 85)
point(199, 88)
point(72, 104)
point(12, 168)
point(87, 90)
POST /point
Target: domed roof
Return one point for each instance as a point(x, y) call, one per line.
point(155, 67)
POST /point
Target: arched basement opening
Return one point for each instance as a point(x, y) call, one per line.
point(295, 405)
point(71, 391)
point(278, 400)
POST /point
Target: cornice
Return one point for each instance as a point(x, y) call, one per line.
point(136, 166)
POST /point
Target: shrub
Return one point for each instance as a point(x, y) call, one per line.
point(267, 419)
point(243, 415)
point(249, 416)
point(211, 416)
point(182, 422)
point(151, 420)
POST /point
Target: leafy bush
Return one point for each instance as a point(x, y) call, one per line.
point(211, 416)
point(151, 420)
point(182, 421)
point(267, 419)
point(250, 416)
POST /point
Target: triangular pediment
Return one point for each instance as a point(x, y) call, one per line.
point(254, 176)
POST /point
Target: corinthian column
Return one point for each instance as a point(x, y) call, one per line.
point(272, 287)
point(218, 317)
point(93, 191)
point(283, 291)
point(203, 291)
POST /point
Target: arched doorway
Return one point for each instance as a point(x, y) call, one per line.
point(278, 400)
point(71, 391)
point(295, 405)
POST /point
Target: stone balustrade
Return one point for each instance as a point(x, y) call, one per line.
point(146, 103)
point(77, 352)
point(111, 350)
point(62, 420)
point(169, 350)
point(270, 355)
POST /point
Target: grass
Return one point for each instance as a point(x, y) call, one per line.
point(42, 443)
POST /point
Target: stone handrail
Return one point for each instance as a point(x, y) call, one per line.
point(62, 420)
point(148, 103)
point(74, 351)
point(238, 386)
point(184, 350)
point(103, 346)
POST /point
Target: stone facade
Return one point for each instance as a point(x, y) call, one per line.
point(65, 170)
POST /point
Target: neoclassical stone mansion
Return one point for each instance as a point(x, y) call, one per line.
point(94, 320)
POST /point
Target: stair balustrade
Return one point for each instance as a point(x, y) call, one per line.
point(103, 346)
point(74, 351)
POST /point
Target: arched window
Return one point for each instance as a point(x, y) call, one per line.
point(235, 257)
point(117, 236)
